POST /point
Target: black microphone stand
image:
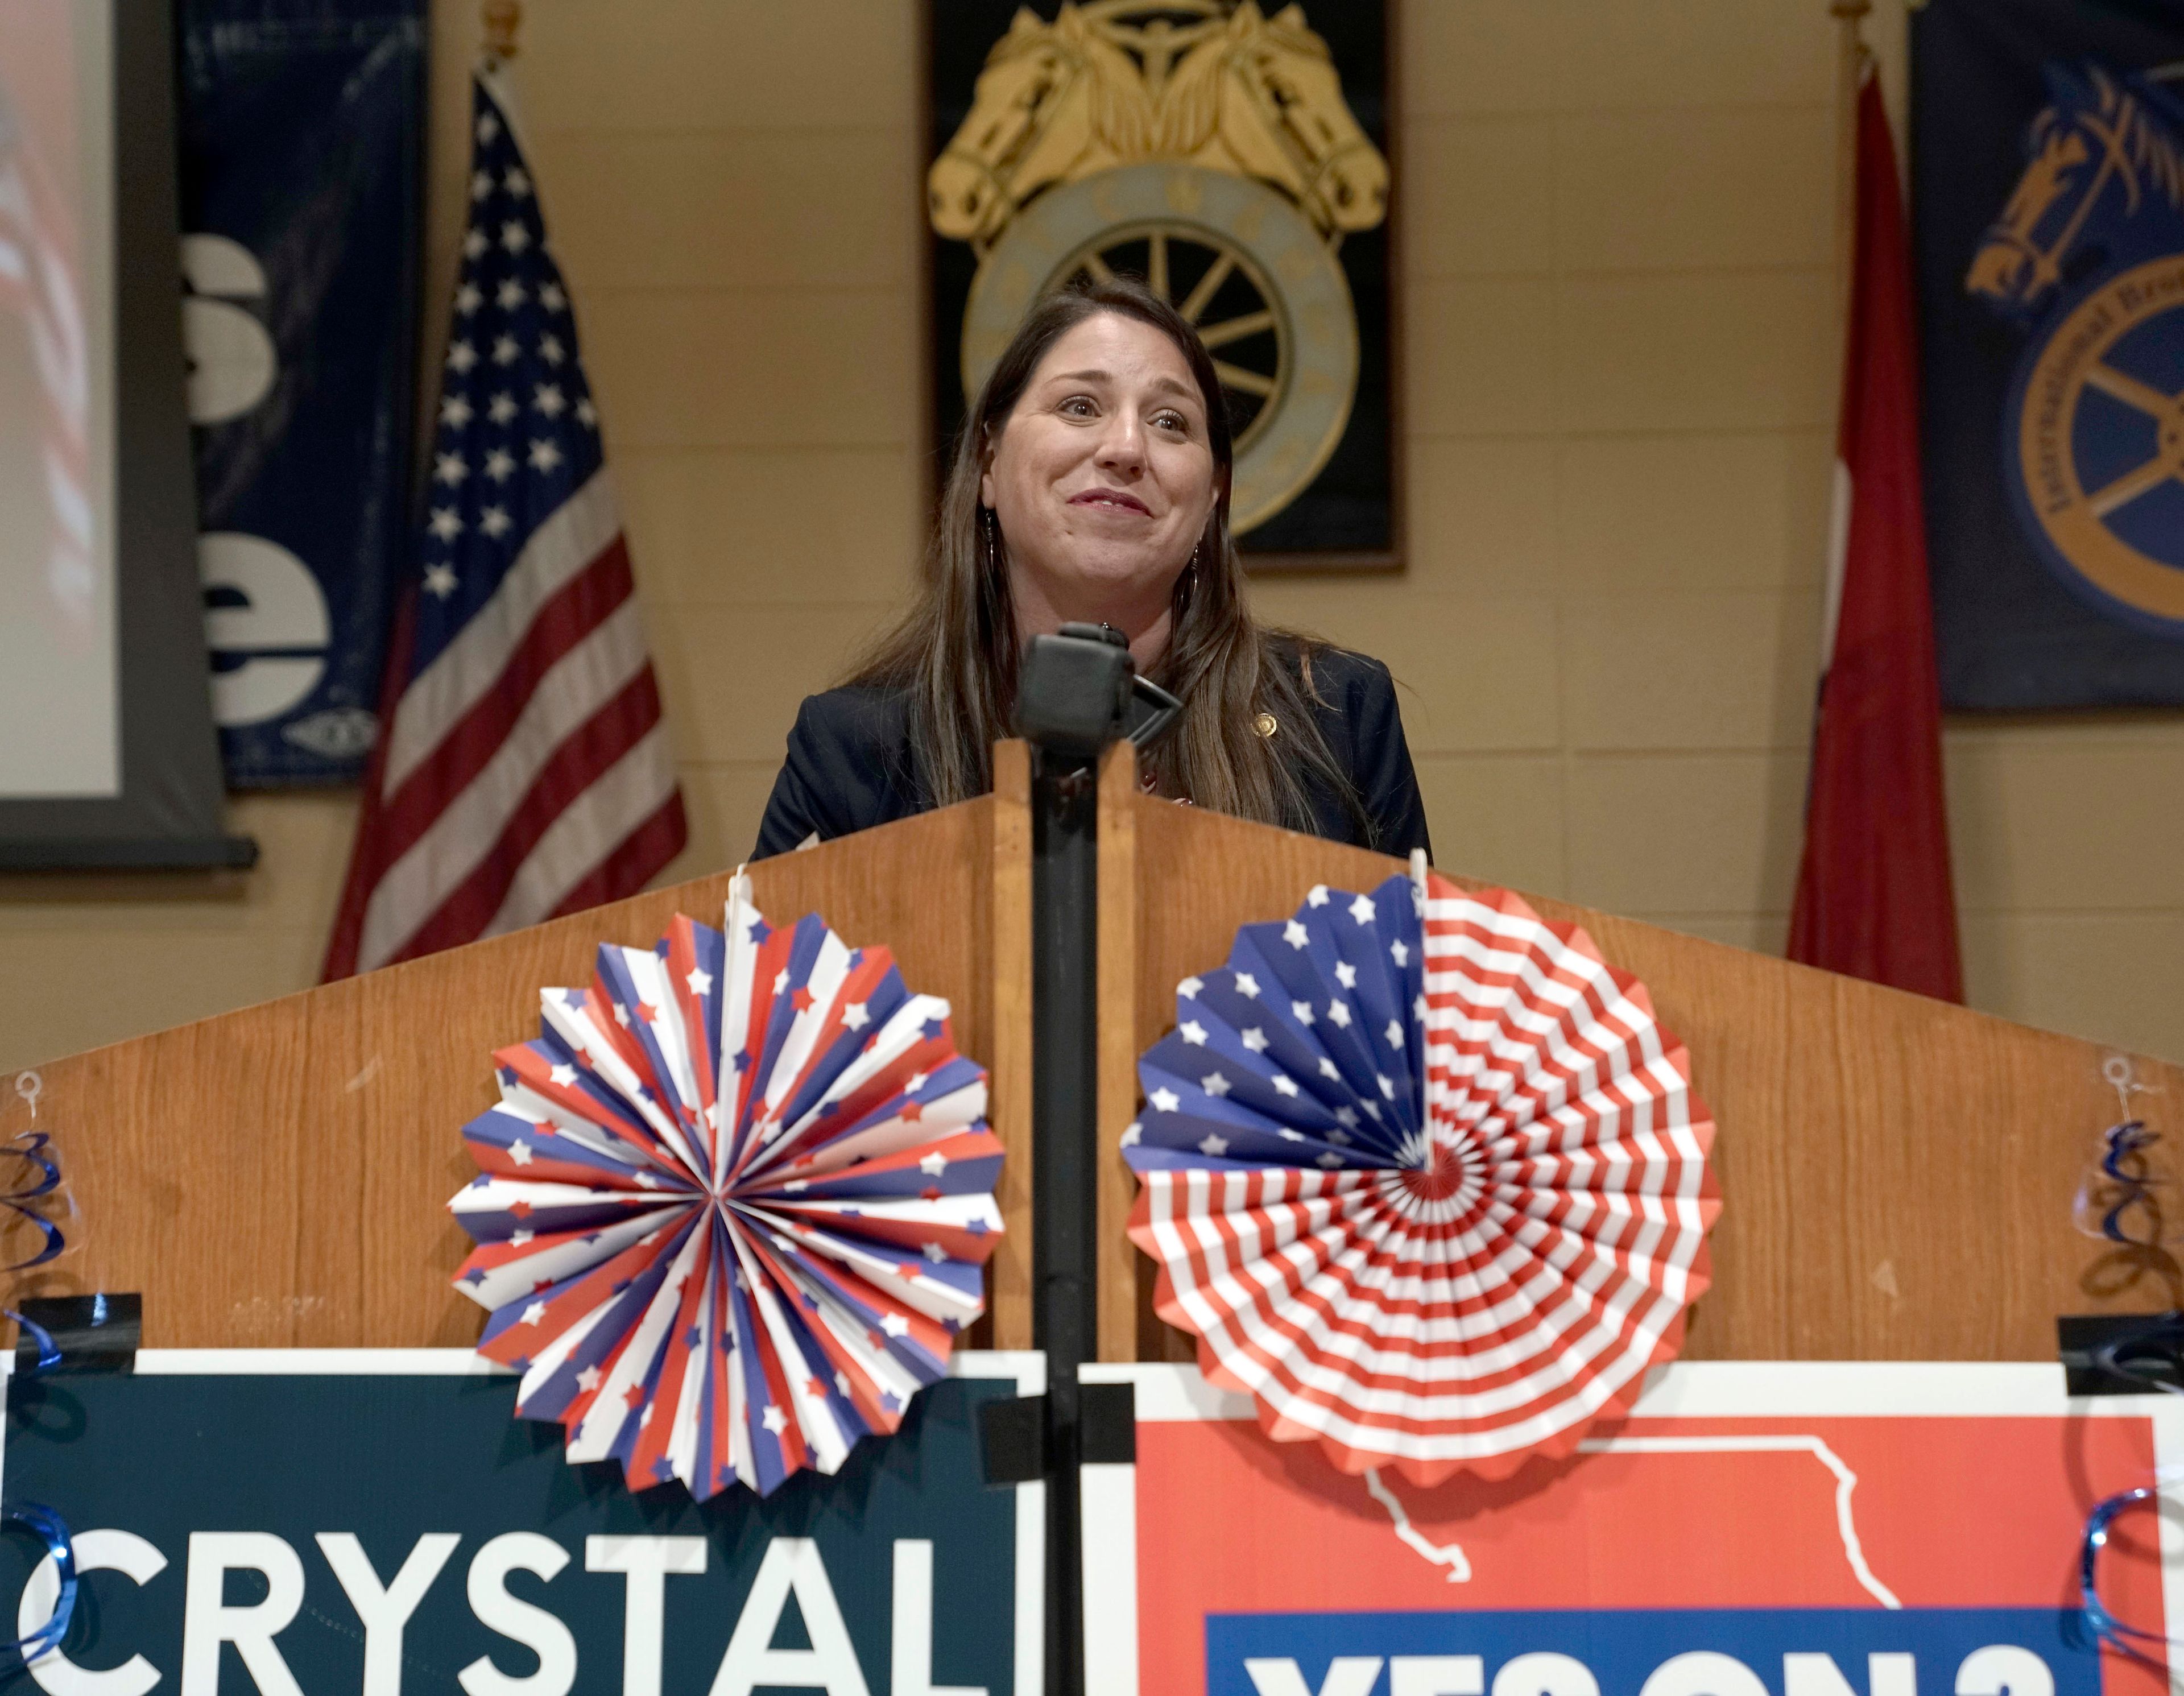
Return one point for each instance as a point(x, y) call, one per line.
point(1072, 702)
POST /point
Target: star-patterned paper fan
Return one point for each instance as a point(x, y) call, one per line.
point(1425, 1178)
point(733, 1205)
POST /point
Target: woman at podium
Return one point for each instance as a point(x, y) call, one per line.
point(1090, 484)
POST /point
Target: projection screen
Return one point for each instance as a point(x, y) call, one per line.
point(108, 756)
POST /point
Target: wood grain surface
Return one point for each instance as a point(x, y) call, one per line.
point(277, 1177)
point(1118, 1048)
point(1008, 1057)
point(1897, 1173)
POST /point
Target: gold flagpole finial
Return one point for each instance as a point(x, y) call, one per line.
point(504, 19)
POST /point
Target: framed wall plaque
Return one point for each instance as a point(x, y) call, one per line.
point(1236, 159)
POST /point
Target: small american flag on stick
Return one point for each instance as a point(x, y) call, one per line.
point(523, 770)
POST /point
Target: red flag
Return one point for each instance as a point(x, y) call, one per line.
point(1874, 897)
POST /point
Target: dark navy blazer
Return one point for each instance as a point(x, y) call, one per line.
point(849, 764)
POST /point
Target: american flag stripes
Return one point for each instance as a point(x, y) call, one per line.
point(733, 1205)
point(40, 286)
point(1424, 1177)
point(524, 770)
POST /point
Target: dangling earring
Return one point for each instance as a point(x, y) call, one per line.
point(992, 537)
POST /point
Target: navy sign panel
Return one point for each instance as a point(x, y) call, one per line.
point(381, 1522)
point(2048, 155)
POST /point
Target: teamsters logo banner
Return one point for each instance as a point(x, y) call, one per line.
point(2049, 153)
point(1232, 156)
point(302, 142)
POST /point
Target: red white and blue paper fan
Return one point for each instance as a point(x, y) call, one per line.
point(1424, 1177)
point(733, 1205)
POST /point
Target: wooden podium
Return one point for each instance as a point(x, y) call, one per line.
point(1897, 1174)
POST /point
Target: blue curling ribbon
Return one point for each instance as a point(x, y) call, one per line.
point(33, 1147)
point(2123, 1142)
point(49, 1352)
point(51, 1531)
point(2109, 1632)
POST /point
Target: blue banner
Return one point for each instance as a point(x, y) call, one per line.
point(1660, 1652)
point(302, 148)
point(2048, 196)
point(347, 1530)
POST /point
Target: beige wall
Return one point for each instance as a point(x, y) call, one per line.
point(1617, 252)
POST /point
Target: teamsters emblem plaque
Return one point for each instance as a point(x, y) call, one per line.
point(2087, 257)
point(1233, 160)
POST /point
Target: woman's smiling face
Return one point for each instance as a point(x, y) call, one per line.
point(1102, 478)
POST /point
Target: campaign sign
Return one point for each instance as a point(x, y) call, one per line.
point(1753, 1528)
point(378, 1522)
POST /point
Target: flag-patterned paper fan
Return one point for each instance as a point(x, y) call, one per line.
point(1425, 1178)
point(732, 1204)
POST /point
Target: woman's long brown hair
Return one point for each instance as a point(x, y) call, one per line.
point(955, 652)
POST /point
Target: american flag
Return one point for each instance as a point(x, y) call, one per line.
point(38, 282)
point(524, 771)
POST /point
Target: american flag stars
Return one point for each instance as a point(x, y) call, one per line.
point(716, 1303)
point(514, 338)
point(1344, 1135)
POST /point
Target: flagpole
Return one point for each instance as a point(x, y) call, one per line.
point(1850, 72)
point(503, 23)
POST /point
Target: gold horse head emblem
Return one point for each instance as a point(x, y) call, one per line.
point(1232, 91)
point(2096, 157)
point(2011, 265)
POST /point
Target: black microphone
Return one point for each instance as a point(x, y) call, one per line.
point(1074, 691)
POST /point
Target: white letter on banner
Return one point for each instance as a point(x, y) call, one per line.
point(910, 1658)
point(100, 1551)
point(647, 1560)
point(1818, 1675)
point(2003, 1670)
point(1545, 1675)
point(541, 1632)
point(829, 1664)
point(1436, 1675)
point(282, 607)
point(385, 1610)
point(1347, 1675)
point(1703, 1673)
point(207, 1621)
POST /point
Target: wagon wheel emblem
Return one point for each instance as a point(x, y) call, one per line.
point(1219, 289)
point(2167, 412)
point(1260, 283)
point(2097, 462)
